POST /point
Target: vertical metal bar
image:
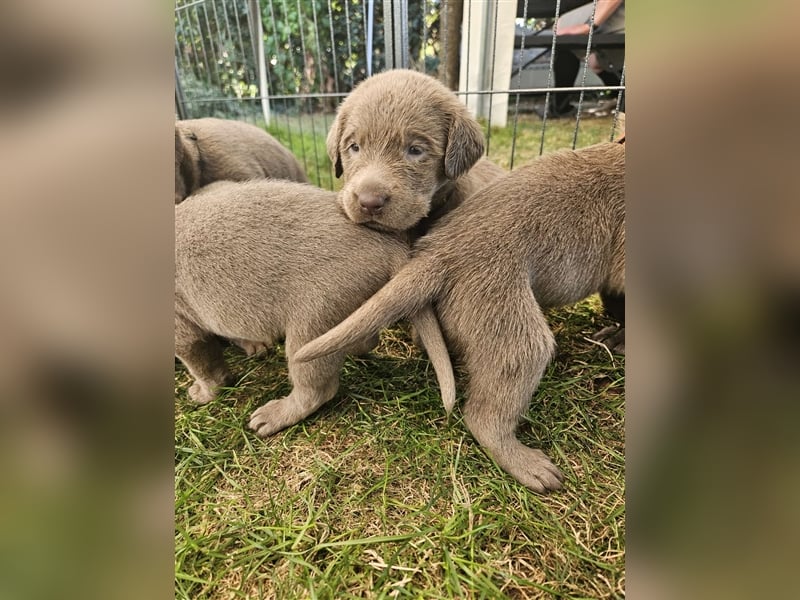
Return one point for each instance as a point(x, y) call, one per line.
point(212, 45)
point(296, 90)
point(309, 100)
point(444, 26)
point(283, 88)
point(335, 78)
point(388, 28)
point(583, 78)
point(550, 71)
point(319, 87)
point(302, 42)
point(180, 101)
point(469, 43)
point(239, 34)
point(519, 84)
point(619, 101)
point(333, 48)
point(202, 45)
point(241, 52)
point(195, 53)
point(320, 53)
point(401, 45)
point(265, 97)
point(227, 27)
point(220, 45)
point(491, 76)
point(370, 36)
point(250, 12)
point(277, 43)
point(181, 58)
point(423, 45)
point(256, 37)
point(289, 51)
point(349, 41)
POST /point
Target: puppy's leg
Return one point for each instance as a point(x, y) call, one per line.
point(614, 305)
point(365, 346)
point(613, 336)
point(504, 374)
point(313, 384)
point(201, 352)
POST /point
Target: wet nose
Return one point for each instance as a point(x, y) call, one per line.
point(372, 203)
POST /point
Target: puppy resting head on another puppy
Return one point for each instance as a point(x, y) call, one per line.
point(399, 139)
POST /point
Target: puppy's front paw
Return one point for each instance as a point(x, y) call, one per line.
point(201, 394)
point(272, 417)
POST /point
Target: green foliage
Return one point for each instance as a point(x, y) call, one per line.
point(214, 59)
point(204, 100)
point(310, 47)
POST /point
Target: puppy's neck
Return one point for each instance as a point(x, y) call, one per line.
point(445, 198)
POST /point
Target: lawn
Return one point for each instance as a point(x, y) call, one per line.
point(380, 494)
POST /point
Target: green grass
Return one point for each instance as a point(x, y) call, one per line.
point(305, 136)
point(380, 495)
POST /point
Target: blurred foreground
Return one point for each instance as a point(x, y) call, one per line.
point(87, 370)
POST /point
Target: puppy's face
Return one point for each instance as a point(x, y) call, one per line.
point(397, 140)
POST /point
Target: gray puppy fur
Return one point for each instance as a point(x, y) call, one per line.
point(265, 259)
point(208, 150)
point(547, 234)
point(408, 151)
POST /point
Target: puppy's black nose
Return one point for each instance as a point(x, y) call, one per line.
point(372, 203)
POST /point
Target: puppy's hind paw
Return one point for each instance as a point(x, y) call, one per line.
point(532, 469)
point(251, 348)
point(612, 337)
point(201, 394)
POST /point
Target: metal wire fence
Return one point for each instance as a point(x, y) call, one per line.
point(286, 64)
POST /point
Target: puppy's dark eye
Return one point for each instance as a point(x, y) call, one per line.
point(415, 151)
point(353, 148)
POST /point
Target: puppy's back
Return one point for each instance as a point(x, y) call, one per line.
point(236, 151)
point(561, 218)
point(274, 248)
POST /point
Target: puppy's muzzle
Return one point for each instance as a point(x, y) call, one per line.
point(372, 203)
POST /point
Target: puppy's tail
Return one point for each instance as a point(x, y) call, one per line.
point(405, 294)
point(408, 294)
point(427, 326)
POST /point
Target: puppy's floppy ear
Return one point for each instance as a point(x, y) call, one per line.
point(333, 140)
point(464, 145)
point(187, 163)
point(180, 184)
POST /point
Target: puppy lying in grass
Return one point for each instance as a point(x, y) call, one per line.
point(547, 234)
point(208, 150)
point(267, 259)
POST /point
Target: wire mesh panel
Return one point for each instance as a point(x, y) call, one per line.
point(286, 64)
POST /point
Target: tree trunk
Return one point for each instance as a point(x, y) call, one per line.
point(453, 13)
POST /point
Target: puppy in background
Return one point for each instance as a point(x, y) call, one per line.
point(208, 150)
point(545, 235)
